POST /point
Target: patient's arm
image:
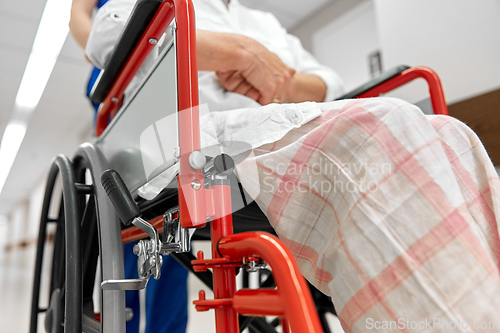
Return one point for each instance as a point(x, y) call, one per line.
point(306, 88)
point(302, 88)
point(246, 67)
point(258, 69)
point(80, 23)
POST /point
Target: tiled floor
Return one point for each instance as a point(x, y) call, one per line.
point(16, 278)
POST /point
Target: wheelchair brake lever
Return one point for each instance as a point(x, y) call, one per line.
point(148, 251)
point(149, 260)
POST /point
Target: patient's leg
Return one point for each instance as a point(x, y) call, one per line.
point(476, 176)
point(390, 211)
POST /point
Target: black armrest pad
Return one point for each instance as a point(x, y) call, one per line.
point(375, 82)
point(142, 14)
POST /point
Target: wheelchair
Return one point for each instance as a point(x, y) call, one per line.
point(102, 182)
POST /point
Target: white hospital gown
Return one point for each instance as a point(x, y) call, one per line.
point(391, 212)
point(265, 28)
point(212, 15)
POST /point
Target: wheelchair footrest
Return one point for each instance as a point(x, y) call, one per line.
point(247, 302)
point(126, 284)
point(203, 304)
point(201, 264)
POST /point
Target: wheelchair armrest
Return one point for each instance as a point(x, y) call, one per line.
point(142, 14)
point(398, 77)
point(386, 76)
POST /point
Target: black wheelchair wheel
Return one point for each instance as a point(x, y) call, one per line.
point(75, 254)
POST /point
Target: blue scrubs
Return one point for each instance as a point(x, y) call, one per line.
point(166, 299)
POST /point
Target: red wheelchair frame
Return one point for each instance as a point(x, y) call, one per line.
point(291, 301)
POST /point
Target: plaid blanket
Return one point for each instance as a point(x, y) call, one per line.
point(391, 212)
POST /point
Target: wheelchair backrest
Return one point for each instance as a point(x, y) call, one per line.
point(139, 142)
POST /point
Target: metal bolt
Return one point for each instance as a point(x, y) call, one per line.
point(137, 248)
point(250, 267)
point(196, 185)
point(152, 261)
point(129, 314)
point(197, 160)
point(114, 100)
point(153, 41)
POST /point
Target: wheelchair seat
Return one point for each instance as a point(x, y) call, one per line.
point(248, 218)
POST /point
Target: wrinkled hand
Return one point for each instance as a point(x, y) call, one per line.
point(266, 72)
point(233, 81)
point(259, 71)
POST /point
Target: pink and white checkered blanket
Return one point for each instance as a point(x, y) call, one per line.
point(392, 213)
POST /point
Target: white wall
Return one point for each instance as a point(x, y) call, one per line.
point(4, 231)
point(35, 209)
point(459, 39)
point(18, 222)
point(17, 227)
point(345, 43)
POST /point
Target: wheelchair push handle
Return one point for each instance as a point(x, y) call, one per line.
point(120, 196)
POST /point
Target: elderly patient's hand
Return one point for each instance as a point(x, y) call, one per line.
point(233, 81)
point(263, 70)
point(244, 66)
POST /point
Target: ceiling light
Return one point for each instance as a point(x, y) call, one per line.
point(11, 141)
point(34, 80)
point(49, 40)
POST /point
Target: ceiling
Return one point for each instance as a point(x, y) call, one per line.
point(63, 118)
point(288, 12)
